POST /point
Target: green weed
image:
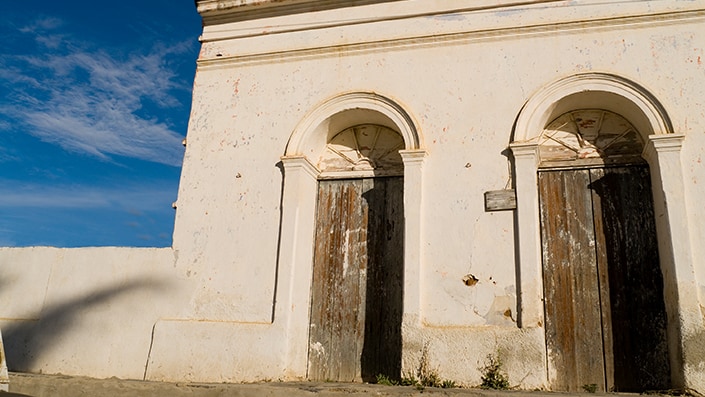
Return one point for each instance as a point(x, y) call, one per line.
point(590, 388)
point(493, 376)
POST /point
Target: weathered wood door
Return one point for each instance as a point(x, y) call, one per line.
point(356, 308)
point(603, 287)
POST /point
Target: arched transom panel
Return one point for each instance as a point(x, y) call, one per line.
point(589, 137)
point(363, 150)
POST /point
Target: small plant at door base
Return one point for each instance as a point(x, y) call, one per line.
point(383, 379)
point(409, 380)
point(688, 392)
point(430, 380)
point(425, 376)
point(590, 388)
point(493, 376)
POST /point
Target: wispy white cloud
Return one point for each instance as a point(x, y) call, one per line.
point(42, 24)
point(71, 215)
point(52, 41)
point(7, 156)
point(54, 198)
point(146, 196)
point(43, 31)
point(98, 102)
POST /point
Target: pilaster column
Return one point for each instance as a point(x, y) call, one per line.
point(685, 322)
point(413, 197)
point(529, 277)
point(291, 310)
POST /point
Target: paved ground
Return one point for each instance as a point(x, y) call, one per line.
point(65, 386)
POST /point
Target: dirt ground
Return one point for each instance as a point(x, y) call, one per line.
point(65, 386)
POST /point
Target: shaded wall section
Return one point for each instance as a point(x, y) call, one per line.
point(84, 311)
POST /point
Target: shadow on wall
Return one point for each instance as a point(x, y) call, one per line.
point(27, 340)
point(382, 344)
point(638, 312)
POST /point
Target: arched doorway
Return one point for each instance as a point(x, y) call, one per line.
point(662, 151)
point(603, 287)
point(306, 146)
point(358, 265)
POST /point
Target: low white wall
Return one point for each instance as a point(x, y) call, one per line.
point(217, 351)
point(86, 311)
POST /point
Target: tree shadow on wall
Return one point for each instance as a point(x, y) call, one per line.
point(26, 340)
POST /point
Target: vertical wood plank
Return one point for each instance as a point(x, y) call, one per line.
point(394, 275)
point(382, 341)
point(350, 257)
point(573, 323)
point(604, 279)
point(318, 335)
point(322, 284)
point(622, 198)
point(334, 289)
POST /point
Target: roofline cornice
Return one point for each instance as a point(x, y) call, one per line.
point(224, 11)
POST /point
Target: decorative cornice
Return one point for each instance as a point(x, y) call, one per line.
point(225, 11)
point(413, 156)
point(300, 163)
point(670, 142)
point(527, 151)
point(269, 50)
point(658, 144)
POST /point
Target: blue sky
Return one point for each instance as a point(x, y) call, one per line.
point(94, 103)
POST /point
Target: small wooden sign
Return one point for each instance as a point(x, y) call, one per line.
point(500, 200)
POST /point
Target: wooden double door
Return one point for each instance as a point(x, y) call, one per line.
point(603, 287)
point(357, 285)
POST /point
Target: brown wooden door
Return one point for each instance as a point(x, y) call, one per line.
point(603, 288)
point(356, 297)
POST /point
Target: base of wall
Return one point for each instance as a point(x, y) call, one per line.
point(210, 351)
point(4, 378)
point(459, 353)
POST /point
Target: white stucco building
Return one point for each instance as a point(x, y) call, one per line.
point(367, 180)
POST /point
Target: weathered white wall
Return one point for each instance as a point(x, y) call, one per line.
point(87, 311)
point(230, 301)
point(463, 78)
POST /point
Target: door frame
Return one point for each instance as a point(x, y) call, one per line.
point(362, 344)
point(298, 212)
point(662, 153)
point(602, 293)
